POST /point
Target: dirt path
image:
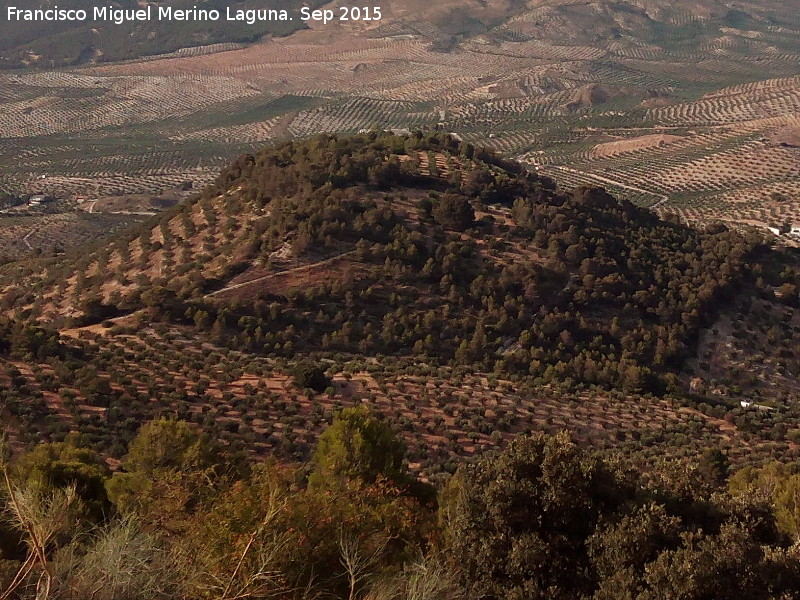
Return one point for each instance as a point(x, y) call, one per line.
point(236, 286)
point(141, 213)
point(663, 198)
point(25, 239)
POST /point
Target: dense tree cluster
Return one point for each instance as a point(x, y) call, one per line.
point(28, 341)
point(544, 520)
point(311, 376)
point(541, 519)
point(602, 292)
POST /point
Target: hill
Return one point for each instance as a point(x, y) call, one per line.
point(41, 44)
point(393, 262)
point(309, 222)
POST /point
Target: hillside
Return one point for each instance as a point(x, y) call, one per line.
point(38, 44)
point(414, 271)
point(318, 224)
point(445, 24)
point(483, 300)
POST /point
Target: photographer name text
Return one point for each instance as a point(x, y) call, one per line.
point(120, 16)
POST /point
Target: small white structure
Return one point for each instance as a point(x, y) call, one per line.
point(36, 200)
point(745, 403)
point(795, 230)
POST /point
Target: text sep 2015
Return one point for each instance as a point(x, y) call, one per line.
point(120, 16)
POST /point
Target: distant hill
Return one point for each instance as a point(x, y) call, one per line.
point(49, 45)
point(640, 23)
point(671, 23)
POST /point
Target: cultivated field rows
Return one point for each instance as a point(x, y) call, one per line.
point(724, 156)
point(755, 101)
point(441, 416)
point(21, 236)
point(126, 101)
point(156, 255)
point(155, 122)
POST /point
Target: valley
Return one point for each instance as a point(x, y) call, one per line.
point(469, 299)
point(693, 112)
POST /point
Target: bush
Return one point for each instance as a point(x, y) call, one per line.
point(310, 376)
point(454, 212)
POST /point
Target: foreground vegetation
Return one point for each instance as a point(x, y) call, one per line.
point(182, 518)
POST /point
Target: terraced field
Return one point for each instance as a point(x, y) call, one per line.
point(444, 417)
point(53, 233)
point(729, 156)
